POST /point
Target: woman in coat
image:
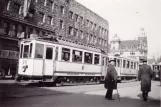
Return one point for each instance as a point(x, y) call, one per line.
point(111, 80)
point(145, 75)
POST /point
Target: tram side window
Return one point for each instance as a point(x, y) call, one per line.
point(49, 53)
point(131, 65)
point(26, 51)
point(134, 65)
point(39, 50)
point(56, 53)
point(88, 57)
point(96, 59)
point(77, 56)
point(107, 60)
point(158, 67)
point(124, 63)
point(128, 64)
point(103, 62)
point(118, 63)
point(65, 54)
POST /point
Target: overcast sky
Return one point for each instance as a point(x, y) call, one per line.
point(127, 17)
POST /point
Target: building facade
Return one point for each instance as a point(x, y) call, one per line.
point(67, 19)
point(137, 49)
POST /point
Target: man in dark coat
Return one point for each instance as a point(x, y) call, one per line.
point(111, 79)
point(145, 75)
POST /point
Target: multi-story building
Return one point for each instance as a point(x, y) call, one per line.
point(87, 26)
point(130, 48)
point(67, 19)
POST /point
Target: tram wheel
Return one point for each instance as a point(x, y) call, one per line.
point(2, 73)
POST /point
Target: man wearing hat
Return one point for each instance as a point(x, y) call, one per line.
point(111, 79)
point(145, 75)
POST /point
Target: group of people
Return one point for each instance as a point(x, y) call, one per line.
point(144, 75)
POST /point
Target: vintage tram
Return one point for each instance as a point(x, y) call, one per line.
point(156, 71)
point(60, 61)
point(126, 67)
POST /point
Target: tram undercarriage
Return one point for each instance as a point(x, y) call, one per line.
point(62, 79)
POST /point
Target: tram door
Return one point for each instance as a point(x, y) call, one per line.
point(49, 61)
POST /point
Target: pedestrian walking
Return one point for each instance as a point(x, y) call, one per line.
point(111, 79)
point(145, 75)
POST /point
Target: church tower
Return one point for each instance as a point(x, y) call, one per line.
point(115, 42)
point(143, 46)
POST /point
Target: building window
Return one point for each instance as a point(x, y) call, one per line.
point(42, 17)
point(49, 20)
point(75, 32)
point(45, 2)
point(76, 17)
point(77, 56)
point(13, 31)
point(62, 10)
point(70, 30)
point(6, 27)
point(81, 20)
point(56, 7)
point(81, 34)
point(8, 5)
point(50, 4)
point(95, 40)
point(30, 31)
point(91, 25)
point(87, 37)
point(61, 24)
point(67, 1)
point(16, 8)
point(95, 27)
point(91, 39)
point(52, 7)
point(87, 23)
point(71, 15)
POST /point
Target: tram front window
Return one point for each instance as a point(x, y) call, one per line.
point(26, 51)
point(39, 50)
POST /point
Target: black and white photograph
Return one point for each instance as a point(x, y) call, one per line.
point(80, 53)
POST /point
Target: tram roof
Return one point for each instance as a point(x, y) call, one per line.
point(66, 43)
